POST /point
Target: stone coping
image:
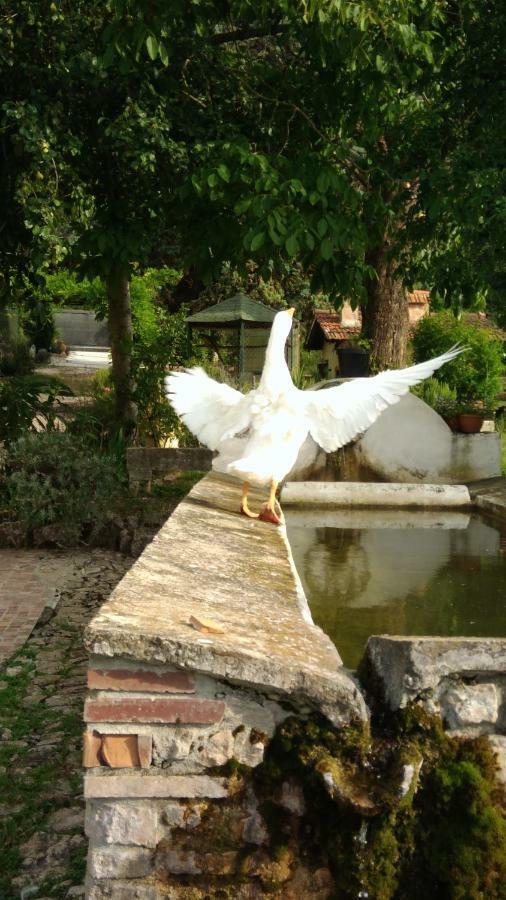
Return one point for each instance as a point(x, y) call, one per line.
point(362, 494)
point(208, 561)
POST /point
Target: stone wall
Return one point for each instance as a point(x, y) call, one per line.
point(80, 328)
point(203, 649)
point(202, 655)
point(146, 464)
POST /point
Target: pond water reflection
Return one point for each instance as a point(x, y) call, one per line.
point(389, 572)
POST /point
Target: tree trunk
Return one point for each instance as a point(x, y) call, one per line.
point(385, 316)
point(121, 331)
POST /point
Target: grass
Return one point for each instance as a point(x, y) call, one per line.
point(28, 790)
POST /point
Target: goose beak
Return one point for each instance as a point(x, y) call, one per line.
point(291, 311)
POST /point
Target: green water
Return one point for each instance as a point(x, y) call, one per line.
point(412, 573)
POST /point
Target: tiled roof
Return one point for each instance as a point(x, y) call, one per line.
point(419, 297)
point(333, 329)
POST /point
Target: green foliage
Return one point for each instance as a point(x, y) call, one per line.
point(15, 358)
point(64, 288)
point(25, 400)
point(438, 395)
point(53, 479)
point(475, 375)
point(155, 349)
point(38, 324)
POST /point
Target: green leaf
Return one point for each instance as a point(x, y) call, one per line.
point(326, 249)
point(292, 245)
point(257, 241)
point(224, 172)
point(212, 180)
point(164, 56)
point(242, 206)
point(313, 198)
point(322, 227)
point(322, 182)
point(152, 45)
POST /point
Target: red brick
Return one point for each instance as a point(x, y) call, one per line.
point(141, 680)
point(154, 709)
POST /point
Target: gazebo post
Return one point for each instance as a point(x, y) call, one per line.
point(241, 349)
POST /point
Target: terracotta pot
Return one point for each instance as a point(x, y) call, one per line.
point(452, 422)
point(470, 423)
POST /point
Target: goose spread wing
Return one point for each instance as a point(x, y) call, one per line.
point(337, 415)
point(212, 411)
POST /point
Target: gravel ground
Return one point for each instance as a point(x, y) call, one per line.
point(42, 687)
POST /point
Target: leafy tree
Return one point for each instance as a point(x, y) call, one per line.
point(91, 159)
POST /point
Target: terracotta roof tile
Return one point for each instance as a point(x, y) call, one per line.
point(333, 329)
point(419, 297)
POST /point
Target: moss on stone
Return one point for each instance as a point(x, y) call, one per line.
point(407, 813)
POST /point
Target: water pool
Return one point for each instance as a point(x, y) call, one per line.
point(410, 572)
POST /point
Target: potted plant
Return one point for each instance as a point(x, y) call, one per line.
point(471, 416)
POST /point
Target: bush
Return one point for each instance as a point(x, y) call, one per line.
point(54, 482)
point(39, 325)
point(438, 395)
point(167, 345)
point(15, 358)
point(476, 374)
point(21, 404)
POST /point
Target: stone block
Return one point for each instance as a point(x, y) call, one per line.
point(122, 890)
point(173, 815)
point(471, 705)
point(498, 743)
point(153, 709)
point(136, 679)
point(119, 862)
point(161, 786)
point(122, 823)
point(248, 749)
point(218, 749)
point(408, 669)
point(174, 743)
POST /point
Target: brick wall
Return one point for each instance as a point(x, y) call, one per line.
point(155, 738)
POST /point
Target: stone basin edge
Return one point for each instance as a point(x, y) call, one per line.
point(302, 668)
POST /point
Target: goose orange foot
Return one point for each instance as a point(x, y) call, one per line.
point(268, 514)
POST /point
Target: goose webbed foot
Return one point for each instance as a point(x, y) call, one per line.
point(269, 513)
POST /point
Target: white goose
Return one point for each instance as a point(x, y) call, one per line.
point(258, 435)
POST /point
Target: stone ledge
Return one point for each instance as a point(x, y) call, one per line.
point(130, 786)
point(407, 669)
point(209, 562)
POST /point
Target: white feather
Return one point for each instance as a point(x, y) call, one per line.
point(212, 411)
point(337, 415)
point(258, 435)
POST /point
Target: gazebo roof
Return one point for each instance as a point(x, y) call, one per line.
point(238, 308)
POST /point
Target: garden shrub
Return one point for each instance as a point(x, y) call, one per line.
point(15, 358)
point(38, 323)
point(476, 374)
point(53, 479)
point(153, 352)
point(25, 400)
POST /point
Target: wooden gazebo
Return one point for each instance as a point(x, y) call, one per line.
point(237, 331)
